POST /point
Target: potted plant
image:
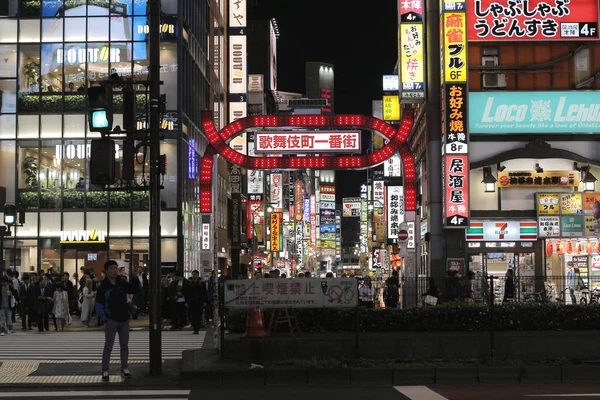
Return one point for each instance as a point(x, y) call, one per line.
point(31, 72)
point(30, 169)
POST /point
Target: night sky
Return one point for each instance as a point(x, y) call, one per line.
point(358, 37)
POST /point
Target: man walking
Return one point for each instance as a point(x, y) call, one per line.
point(112, 308)
point(196, 298)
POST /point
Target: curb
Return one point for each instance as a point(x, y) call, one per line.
point(396, 376)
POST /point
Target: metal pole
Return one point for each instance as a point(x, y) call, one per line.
point(155, 258)
point(434, 136)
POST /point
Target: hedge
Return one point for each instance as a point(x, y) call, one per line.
point(447, 317)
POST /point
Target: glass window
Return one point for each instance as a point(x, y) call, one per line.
point(27, 251)
point(10, 9)
point(51, 126)
point(140, 57)
point(168, 223)
point(121, 59)
point(50, 224)
point(97, 220)
point(30, 228)
point(121, 7)
point(120, 28)
point(74, 125)
point(141, 223)
point(50, 174)
point(75, 8)
point(168, 7)
point(30, 31)
point(9, 126)
point(29, 126)
point(168, 195)
point(29, 78)
point(8, 30)
point(75, 29)
point(8, 66)
point(30, 8)
point(98, 7)
point(50, 8)
point(73, 169)
point(97, 29)
point(168, 73)
point(8, 96)
point(99, 55)
point(7, 172)
point(74, 61)
point(120, 223)
point(73, 221)
point(168, 250)
point(140, 27)
point(140, 7)
point(51, 68)
point(28, 164)
point(50, 254)
point(52, 29)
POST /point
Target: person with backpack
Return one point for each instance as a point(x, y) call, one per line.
point(112, 298)
point(391, 295)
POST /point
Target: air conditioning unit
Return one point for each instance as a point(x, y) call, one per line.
point(494, 79)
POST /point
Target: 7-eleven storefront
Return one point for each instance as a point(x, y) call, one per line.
point(495, 246)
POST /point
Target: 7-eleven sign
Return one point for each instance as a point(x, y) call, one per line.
point(502, 231)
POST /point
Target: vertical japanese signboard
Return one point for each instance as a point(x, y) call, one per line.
point(455, 137)
point(276, 231)
point(238, 68)
point(395, 209)
point(276, 199)
point(411, 49)
point(235, 183)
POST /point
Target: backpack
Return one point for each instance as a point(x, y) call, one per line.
point(390, 292)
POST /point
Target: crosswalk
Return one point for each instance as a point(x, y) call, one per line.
point(89, 345)
point(100, 394)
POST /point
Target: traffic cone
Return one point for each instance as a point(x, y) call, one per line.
point(255, 324)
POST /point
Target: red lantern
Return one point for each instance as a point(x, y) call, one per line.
point(559, 248)
point(569, 247)
point(588, 247)
point(549, 249)
point(579, 248)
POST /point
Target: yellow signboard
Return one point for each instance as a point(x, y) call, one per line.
point(391, 108)
point(410, 37)
point(547, 203)
point(276, 219)
point(455, 46)
point(566, 179)
point(571, 203)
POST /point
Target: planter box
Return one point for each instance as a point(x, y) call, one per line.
point(286, 377)
point(451, 376)
point(372, 376)
point(329, 377)
point(499, 374)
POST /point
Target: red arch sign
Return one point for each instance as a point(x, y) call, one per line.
point(396, 143)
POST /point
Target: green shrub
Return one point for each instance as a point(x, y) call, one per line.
point(97, 199)
point(50, 200)
point(28, 103)
point(447, 317)
point(28, 200)
point(73, 199)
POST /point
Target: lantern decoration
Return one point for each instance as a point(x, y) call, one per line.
point(569, 247)
point(559, 248)
point(549, 249)
point(579, 248)
point(588, 247)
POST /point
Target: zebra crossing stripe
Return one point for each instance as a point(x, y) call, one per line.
point(419, 393)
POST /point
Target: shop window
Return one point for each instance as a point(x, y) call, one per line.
point(168, 7)
point(8, 96)
point(9, 9)
point(141, 249)
point(52, 30)
point(30, 31)
point(141, 64)
point(120, 28)
point(141, 223)
point(120, 223)
point(51, 68)
point(50, 252)
point(119, 249)
point(50, 174)
point(97, 7)
point(140, 7)
point(75, 29)
point(168, 73)
point(139, 28)
point(74, 125)
point(8, 66)
point(29, 78)
point(51, 126)
point(9, 125)
point(97, 29)
point(50, 224)
point(8, 30)
point(27, 252)
point(29, 126)
point(168, 195)
point(98, 57)
point(30, 228)
point(73, 221)
point(7, 172)
point(168, 223)
point(74, 61)
point(168, 250)
point(74, 8)
point(121, 59)
point(97, 220)
point(73, 173)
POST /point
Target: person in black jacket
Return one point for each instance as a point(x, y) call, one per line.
point(196, 298)
point(27, 297)
point(112, 307)
point(43, 294)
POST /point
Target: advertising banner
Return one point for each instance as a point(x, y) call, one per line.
point(238, 65)
point(296, 293)
point(327, 189)
point(255, 181)
point(390, 83)
point(276, 231)
point(538, 179)
point(255, 207)
point(589, 199)
point(549, 226)
point(299, 242)
point(378, 193)
point(276, 190)
point(534, 112)
point(504, 20)
point(351, 207)
point(411, 49)
point(393, 166)
point(571, 203)
point(395, 209)
point(327, 205)
point(327, 197)
point(299, 197)
point(563, 206)
point(547, 203)
point(206, 232)
point(572, 225)
point(307, 142)
point(455, 135)
point(391, 108)
point(502, 231)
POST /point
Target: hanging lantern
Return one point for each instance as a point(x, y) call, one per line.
point(559, 248)
point(588, 247)
point(549, 249)
point(579, 248)
point(569, 247)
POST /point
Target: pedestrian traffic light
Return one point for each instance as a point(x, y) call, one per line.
point(102, 162)
point(10, 214)
point(100, 113)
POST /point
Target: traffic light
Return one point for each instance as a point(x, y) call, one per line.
point(100, 112)
point(102, 162)
point(10, 214)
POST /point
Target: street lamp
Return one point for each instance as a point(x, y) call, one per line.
point(489, 180)
point(589, 180)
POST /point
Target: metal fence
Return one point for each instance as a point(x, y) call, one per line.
point(427, 291)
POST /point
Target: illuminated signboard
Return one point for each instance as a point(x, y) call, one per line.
point(351, 207)
point(206, 236)
point(455, 136)
point(276, 190)
point(497, 20)
point(238, 59)
point(82, 236)
point(391, 108)
point(411, 49)
point(395, 209)
point(393, 166)
point(276, 232)
point(299, 197)
point(390, 83)
point(307, 142)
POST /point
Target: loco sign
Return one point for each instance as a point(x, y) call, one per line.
point(533, 20)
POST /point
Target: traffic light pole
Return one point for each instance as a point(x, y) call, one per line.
point(155, 257)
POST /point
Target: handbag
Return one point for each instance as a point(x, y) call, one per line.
point(430, 300)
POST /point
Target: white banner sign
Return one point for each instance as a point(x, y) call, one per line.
point(292, 293)
point(395, 210)
point(549, 226)
point(256, 83)
point(351, 207)
point(379, 194)
point(410, 243)
point(390, 83)
point(238, 70)
point(327, 205)
point(255, 181)
point(206, 236)
point(276, 190)
point(327, 197)
point(306, 142)
point(392, 166)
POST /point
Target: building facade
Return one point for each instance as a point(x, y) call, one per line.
point(54, 50)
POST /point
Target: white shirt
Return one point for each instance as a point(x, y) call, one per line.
point(180, 289)
point(16, 284)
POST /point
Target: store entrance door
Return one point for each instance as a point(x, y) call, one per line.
point(91, 259)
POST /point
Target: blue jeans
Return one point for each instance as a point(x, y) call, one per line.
point(111, 328)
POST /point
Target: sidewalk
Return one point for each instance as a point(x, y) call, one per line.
point(76, 325)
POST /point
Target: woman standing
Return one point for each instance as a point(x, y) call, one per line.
point(367, 294)
point(61, 306)
point(87, 304)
